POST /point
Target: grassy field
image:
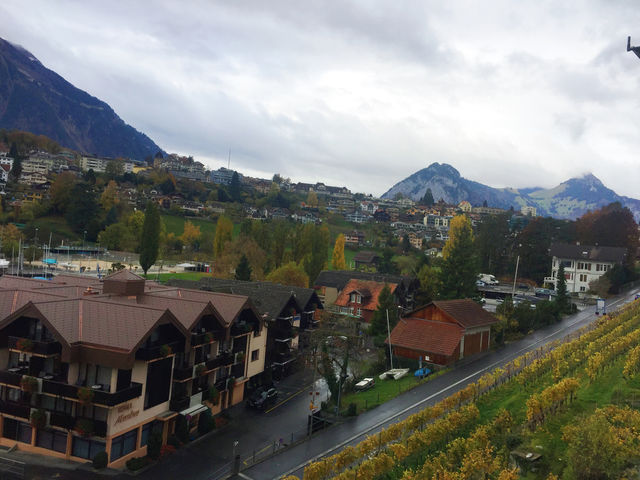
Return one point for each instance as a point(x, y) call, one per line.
point(175, 224)
point(384, 390)
point(163, 277)
point(57, 226)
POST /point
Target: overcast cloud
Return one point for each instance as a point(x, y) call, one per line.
point(362, 94)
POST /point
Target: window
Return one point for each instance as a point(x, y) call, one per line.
point(255, 355)
point(52, 440)
point(257, 332)
point(601, 267)
point(148, 429)
point(84, 448)
point(16, 430)
point(583, 277)
point(158, 382)
point(582, 289)
point(124, 444)
point(359, 312)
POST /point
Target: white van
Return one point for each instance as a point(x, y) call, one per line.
point(488, 279)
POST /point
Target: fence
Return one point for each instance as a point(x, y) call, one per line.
point(11, 469)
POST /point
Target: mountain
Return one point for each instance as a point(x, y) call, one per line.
point(38, 100)
point(570, 199)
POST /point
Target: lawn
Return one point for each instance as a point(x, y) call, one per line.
point(383, 391)
point(56, 226)
point(175, 224)
point(163, 277)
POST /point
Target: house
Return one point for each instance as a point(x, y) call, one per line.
point(357, 217)
point(105, 364)
point(354, 238)
point(366, 260)
point(289, 312)
point(465, 206)
point(331, 283)
point(529, 210)
point(360, 298)
point(443, 332)
point(583, 264)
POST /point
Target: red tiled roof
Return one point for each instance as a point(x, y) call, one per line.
point(426, 336)
point(369, 290)
point(466, 312)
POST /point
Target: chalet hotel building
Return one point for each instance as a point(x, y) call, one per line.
point(89, 366)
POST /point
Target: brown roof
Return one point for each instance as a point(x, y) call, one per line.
point(466, 312)
point(228, 306)
point(369, 290)
point(124, 275)
point(426, 336)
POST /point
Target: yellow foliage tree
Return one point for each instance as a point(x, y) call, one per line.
point(109, 196)
point(289, 274)
point(337, 259)
point(191, 234)
point(224, 233)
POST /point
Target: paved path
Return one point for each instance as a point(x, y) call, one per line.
point(351, 432)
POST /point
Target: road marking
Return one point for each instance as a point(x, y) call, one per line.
point(242, 475)
point(420, 402)
point(287, 399)
point(257, 453)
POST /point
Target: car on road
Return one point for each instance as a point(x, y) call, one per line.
point(365, 384)
point(263, 399)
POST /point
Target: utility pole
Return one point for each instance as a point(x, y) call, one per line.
point(389, 340)
point(513, 292)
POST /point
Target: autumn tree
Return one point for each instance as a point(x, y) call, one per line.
point(10, 236)
point(224, 233)
point(562, 298)
point(459, 266)
point(191, 235)
point(279, 245)
point(312, 199)
point(289, 274)
point(337, 259)
point(227, 262)
point(60, 191)
point(109, 197)
point(243, 269)
point(150, 240)
point(429, 289)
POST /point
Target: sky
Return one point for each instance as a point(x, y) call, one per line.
point(525, 93)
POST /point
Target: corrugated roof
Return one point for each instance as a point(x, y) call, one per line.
point(588, 252)
point(339, 278)
point(426, 336)
point(466, 312)
point(124, 275)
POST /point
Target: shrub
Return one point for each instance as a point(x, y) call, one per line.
point(84, 427)
point(29, 384)
point(208, 337)
point(200, 369)
point(85, 395)
point(352, 410)
point(182, 428)
point(165, 350)
point(38, 418)
point(137, 463)
point(24, 344)
point(100, 460)
point(214, 395)
point(154, 445)
point(206, 422)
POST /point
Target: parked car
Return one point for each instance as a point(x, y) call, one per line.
point(262, 399)
point(365, 384)
point(545, 292)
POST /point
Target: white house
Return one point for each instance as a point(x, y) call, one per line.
point(583, 264)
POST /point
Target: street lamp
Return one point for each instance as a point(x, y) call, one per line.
point(84, 235)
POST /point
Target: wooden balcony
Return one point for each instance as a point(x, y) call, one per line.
point(158, 351)
point(99, 396)
point(44, 348)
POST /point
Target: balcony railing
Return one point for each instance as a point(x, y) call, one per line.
point(100, 397)
point(179, 404)
point(203, 338)
point(159, 351)
point(221, 384)
point(15, 409)
point(10, 378)
point(62, 420)
point(50, 347)
point(238, 329)
point(237, 370)
point(183, 373)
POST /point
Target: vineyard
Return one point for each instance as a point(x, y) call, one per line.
point(567, 410)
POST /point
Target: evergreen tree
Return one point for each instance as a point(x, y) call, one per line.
point(243, 269)
point(427, 199)
point(83, 212)
point(16, 169)
point(235, 189)
point(337, 259)
point(562, 298)
point(386, 264)
point(150, 240)
point(386, 303)
point(459, 267)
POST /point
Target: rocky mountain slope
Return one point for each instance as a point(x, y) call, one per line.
point(569, 200)
point(38, 100)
